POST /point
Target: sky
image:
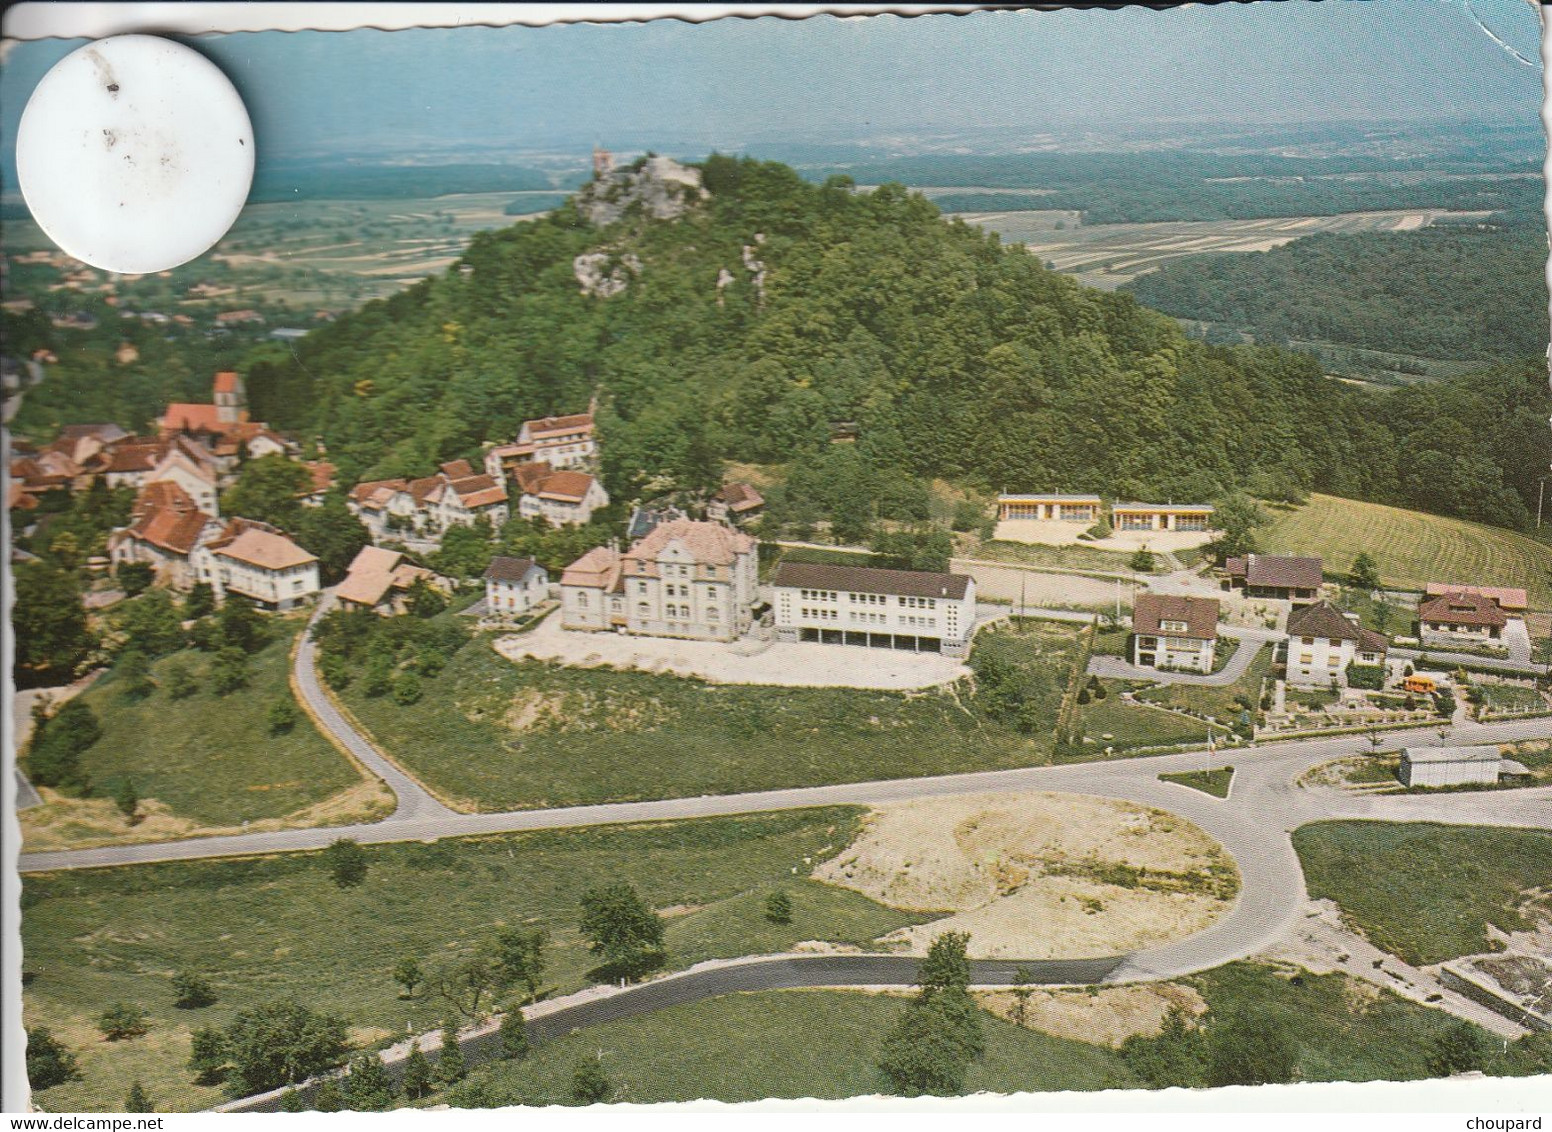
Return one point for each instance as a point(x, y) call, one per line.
point(732, 82)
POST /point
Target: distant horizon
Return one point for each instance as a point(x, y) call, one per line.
point(735, 84)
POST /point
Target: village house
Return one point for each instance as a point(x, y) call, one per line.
point(562, 498)
point(381, 579)
point(428, 506)
point(1512, 600)
point(735, 503)
point(686, 579)
point(1177, 633)
point(1162, 516)
point(918, 611)
point(513, 586)
point(165, 529)
point(1275, 576)
point(1057, 508)
point(320, 481)
point(561, 442)
point(1461, 618)
point(1322, 641)
point(197, 477)
point(257, 561)
point(1450, 766)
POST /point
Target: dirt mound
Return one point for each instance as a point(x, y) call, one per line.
point(1034, 876)
point(1107, 1016)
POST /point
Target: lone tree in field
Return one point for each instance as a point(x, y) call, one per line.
point(778, 907)
point(932, 1046)
point(346, 861)
point(622, 929)
point(589, 1083)
point(1365, 573)
point(519, 959)
point(407, 974)
point(122, 1020)
point(193, 991)
point(49, 1061)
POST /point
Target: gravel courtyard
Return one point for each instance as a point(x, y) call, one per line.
point(789, 665)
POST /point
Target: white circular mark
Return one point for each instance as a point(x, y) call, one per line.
point(135, 154)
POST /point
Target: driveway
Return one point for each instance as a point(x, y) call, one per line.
point(1493, 663)
point(1516, 638)
point(1115, 668)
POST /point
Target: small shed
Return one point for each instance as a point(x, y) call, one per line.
point(1450, 766)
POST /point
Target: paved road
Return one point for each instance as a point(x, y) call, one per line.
point(415, 803)
point(551, 1020)
point(1115, 668)
point(1497, 664)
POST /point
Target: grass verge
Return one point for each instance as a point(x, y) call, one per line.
point(1214, 782)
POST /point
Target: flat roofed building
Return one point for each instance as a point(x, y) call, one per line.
point(1162, 516)
point(913, 610)
point(1057, 508)
point(1450, 766)
point(1174, 632)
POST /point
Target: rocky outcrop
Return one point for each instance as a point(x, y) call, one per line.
point(661, 187)
point(603, 274)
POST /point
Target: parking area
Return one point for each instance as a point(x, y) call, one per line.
point(739, 662)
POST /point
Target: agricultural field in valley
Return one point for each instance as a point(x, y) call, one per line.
point(1111, 255)
point(1411, 548)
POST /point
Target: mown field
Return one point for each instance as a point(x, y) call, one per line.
point(1425, 892)
point(266, 928)
point(202, 761)
point(1411, 548)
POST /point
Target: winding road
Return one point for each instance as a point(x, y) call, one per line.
point(1253, 824)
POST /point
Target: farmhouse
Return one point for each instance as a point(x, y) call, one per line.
point(1275, 576)
point(1449, 766)
point(562, 498)
point(1323, 641)
point(1059, 508)
point(255, 560)
point(1174, 632)
point(514, 585)
point(685, 579)
point(561, 442)
point(166, 528)
point(735, 503)
point(856, 605)
point(380, 579)
point(1161, 516)
point(1460, 618)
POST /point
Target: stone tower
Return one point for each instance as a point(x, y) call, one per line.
point(230, 397)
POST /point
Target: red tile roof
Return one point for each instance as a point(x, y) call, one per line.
point(566, 487)
point(1276, 571)
point(1509, 599)
point(1466, 609)
point(225, 382)
point(1322, 620)
point(1199, 614)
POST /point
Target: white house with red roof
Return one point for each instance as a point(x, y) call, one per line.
point(561, 442)
point(562, 498)
point(1323, 641)
point(1174, 633)
point(259, 562)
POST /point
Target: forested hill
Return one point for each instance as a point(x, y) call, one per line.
point(953, 355)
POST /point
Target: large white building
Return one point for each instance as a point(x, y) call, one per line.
point(255, 560)
point(685, 579)
point(914, 610)
point(560, 442)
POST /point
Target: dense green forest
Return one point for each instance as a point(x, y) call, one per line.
point(950, 354)
point(954, 355)
point(1452, 292)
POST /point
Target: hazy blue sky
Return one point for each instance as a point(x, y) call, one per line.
point(731, 81)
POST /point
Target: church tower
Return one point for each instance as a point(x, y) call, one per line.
point(230, 397)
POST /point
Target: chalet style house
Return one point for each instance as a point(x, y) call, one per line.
point(918, 611)
point(1510, 599)
point(1177, 633)
point(426, 507)
point(1461, 618)
point(685, 579)
point(1275, 576)
point(1162, 516)
point(560, 442)
point(1050, 508)
point(562, 498)
point(513, 586)
point(381, 579)
point(1323, 641)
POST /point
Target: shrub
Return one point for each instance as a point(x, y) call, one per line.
point(122, 1020)
point(193, 991)
point(778, 907)
point(282, 716)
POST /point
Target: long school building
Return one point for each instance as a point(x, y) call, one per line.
point(916, 611)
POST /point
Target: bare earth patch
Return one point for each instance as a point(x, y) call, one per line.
point(81, 823)
point(1108, 1016)
point(1038, 876)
